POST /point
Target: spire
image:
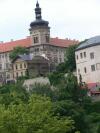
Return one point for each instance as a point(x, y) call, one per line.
point(38, 11)
point(37, 4)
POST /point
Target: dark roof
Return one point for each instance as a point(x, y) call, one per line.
point(23, 57)
point(89, 43)
point(26, 57)
point(39, 22)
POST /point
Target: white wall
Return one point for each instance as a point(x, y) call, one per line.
point(90, 76)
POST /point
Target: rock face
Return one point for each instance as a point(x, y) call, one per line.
point(40, 80)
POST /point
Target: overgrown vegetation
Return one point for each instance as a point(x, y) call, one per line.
point(18, 51)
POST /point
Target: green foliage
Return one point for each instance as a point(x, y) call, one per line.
point(43, 90)
point(70, 58)
point(18, 51)
point(55, 78)
point(69, 64)
point(34, 117)
point(69, 108)
point(61, 108)
point(13, 93)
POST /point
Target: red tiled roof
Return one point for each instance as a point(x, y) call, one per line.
point(8, 46)
point(62, 42)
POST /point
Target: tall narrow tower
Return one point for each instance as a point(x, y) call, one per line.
point(39, 29)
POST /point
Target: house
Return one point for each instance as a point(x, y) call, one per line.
point(30, 66)
point(88, 60)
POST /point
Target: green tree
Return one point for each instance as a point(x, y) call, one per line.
point(70, 62)
point(18, 51)
point(13, 94)
point(69, 108)
point(34, 117)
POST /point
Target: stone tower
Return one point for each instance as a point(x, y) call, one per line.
point(39, 29)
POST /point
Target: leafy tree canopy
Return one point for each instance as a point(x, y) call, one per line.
point(18, 51)
point(34, 117)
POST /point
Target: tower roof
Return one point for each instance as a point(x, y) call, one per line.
point(39, 21)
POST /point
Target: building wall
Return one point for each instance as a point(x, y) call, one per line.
point(88, 64)
point(5, 67)
point(19, 68)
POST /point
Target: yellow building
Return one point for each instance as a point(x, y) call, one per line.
point(26, 65)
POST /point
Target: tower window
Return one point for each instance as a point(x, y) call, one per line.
point(36, 39)
point(47, 38)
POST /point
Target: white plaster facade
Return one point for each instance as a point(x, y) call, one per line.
point(88, 61)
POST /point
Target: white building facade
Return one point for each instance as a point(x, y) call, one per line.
point(88, 60)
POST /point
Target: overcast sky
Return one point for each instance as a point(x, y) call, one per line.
point(74, 19)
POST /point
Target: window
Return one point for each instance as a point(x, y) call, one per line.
point(21, 73)
point(2, 55)
point(17, 74)
point(24, 65)
point(0, 66)
point(36, 40)
point(47, 38)
point(85, 54)
point(36, 49)
point(85, 70)
point(60, 59)
point(21, 66)
point(98, 66)
point(7, 65)
point(81, 55)
point(77, 57)
point(78, 71)
point(92, 68)
point(8, 76)
point(0, 76)
point(16, 67)
point(92, 55)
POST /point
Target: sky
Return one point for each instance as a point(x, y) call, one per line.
point(73, 19)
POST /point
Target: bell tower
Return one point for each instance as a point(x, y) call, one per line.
point(39, 29)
